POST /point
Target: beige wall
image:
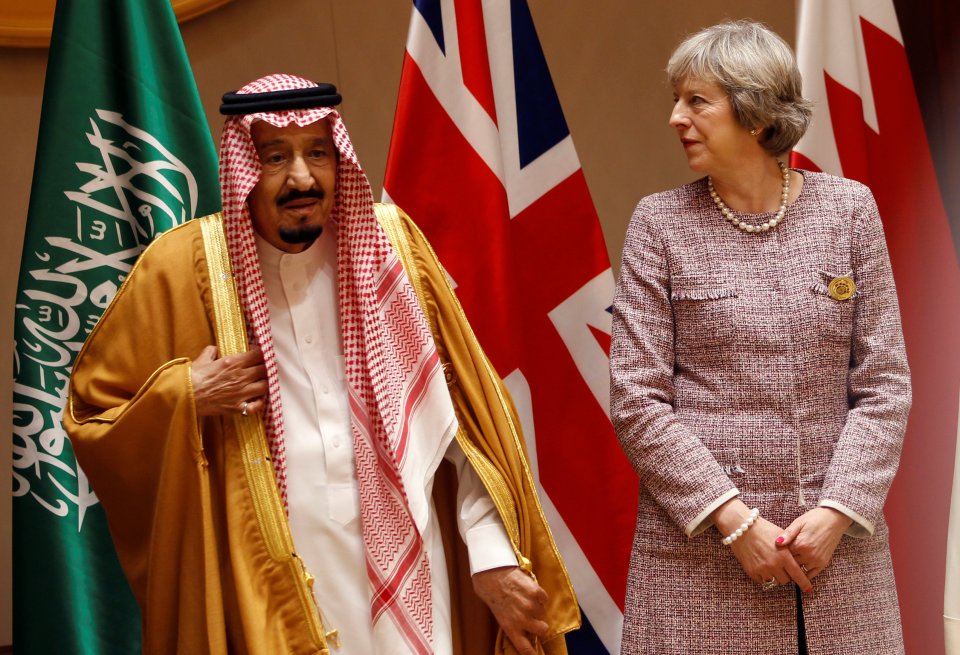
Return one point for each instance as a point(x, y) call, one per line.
point(606, 58)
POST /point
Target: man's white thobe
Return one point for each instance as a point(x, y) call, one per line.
point(322, 492)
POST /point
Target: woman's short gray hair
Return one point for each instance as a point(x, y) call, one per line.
point(758, 71)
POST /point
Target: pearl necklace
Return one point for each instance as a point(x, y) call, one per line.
point(746, 227)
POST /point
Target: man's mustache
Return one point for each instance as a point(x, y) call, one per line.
point(296, 194)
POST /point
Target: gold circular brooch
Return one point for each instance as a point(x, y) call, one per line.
point(842, 288)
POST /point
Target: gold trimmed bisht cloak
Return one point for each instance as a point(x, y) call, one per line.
point(192, 505)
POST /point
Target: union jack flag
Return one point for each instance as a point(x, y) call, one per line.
point(482, 159)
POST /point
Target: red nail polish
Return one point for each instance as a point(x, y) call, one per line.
point(808, 591)
point(779, 540)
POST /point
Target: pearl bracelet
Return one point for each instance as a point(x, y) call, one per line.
point(736, 534)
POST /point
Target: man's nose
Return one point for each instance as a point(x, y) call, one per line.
point(298, 175)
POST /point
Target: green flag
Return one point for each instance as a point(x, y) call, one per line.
point(124, 153)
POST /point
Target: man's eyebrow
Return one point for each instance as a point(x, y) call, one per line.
point(270, 144)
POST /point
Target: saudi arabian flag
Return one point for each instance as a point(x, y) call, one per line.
point(124, 153)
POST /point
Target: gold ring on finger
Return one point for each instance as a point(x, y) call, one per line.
point(243, 408)
point(803, 567)
point(769, 584)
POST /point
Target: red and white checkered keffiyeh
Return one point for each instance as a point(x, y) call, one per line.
point(390, 356)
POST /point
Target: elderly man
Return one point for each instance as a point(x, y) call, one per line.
point(276, 409)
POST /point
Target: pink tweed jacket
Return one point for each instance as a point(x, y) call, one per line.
point(732, 367)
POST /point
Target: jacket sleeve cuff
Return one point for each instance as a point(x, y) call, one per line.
point(702, 521)
point(951, 630)
point(860, 527)
point(488, 547)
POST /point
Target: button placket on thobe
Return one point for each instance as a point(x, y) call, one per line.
point(312, 305)
point(322, 494)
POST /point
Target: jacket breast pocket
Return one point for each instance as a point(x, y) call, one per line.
point(704, 311)
point(835, 298)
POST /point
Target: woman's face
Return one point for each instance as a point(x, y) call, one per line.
point(712, 139)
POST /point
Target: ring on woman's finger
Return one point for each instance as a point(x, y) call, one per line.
point(243, 408)
point(803, 567)
point(769, 584)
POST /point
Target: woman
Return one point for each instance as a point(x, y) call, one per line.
point(759, 380)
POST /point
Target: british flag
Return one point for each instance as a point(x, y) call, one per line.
point(482, 159)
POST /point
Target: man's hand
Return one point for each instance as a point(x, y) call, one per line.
point(517, 602)
point(813, 537)
point(230, 385)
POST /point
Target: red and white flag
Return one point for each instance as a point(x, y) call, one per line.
point(868, 126)
point(482, 159)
